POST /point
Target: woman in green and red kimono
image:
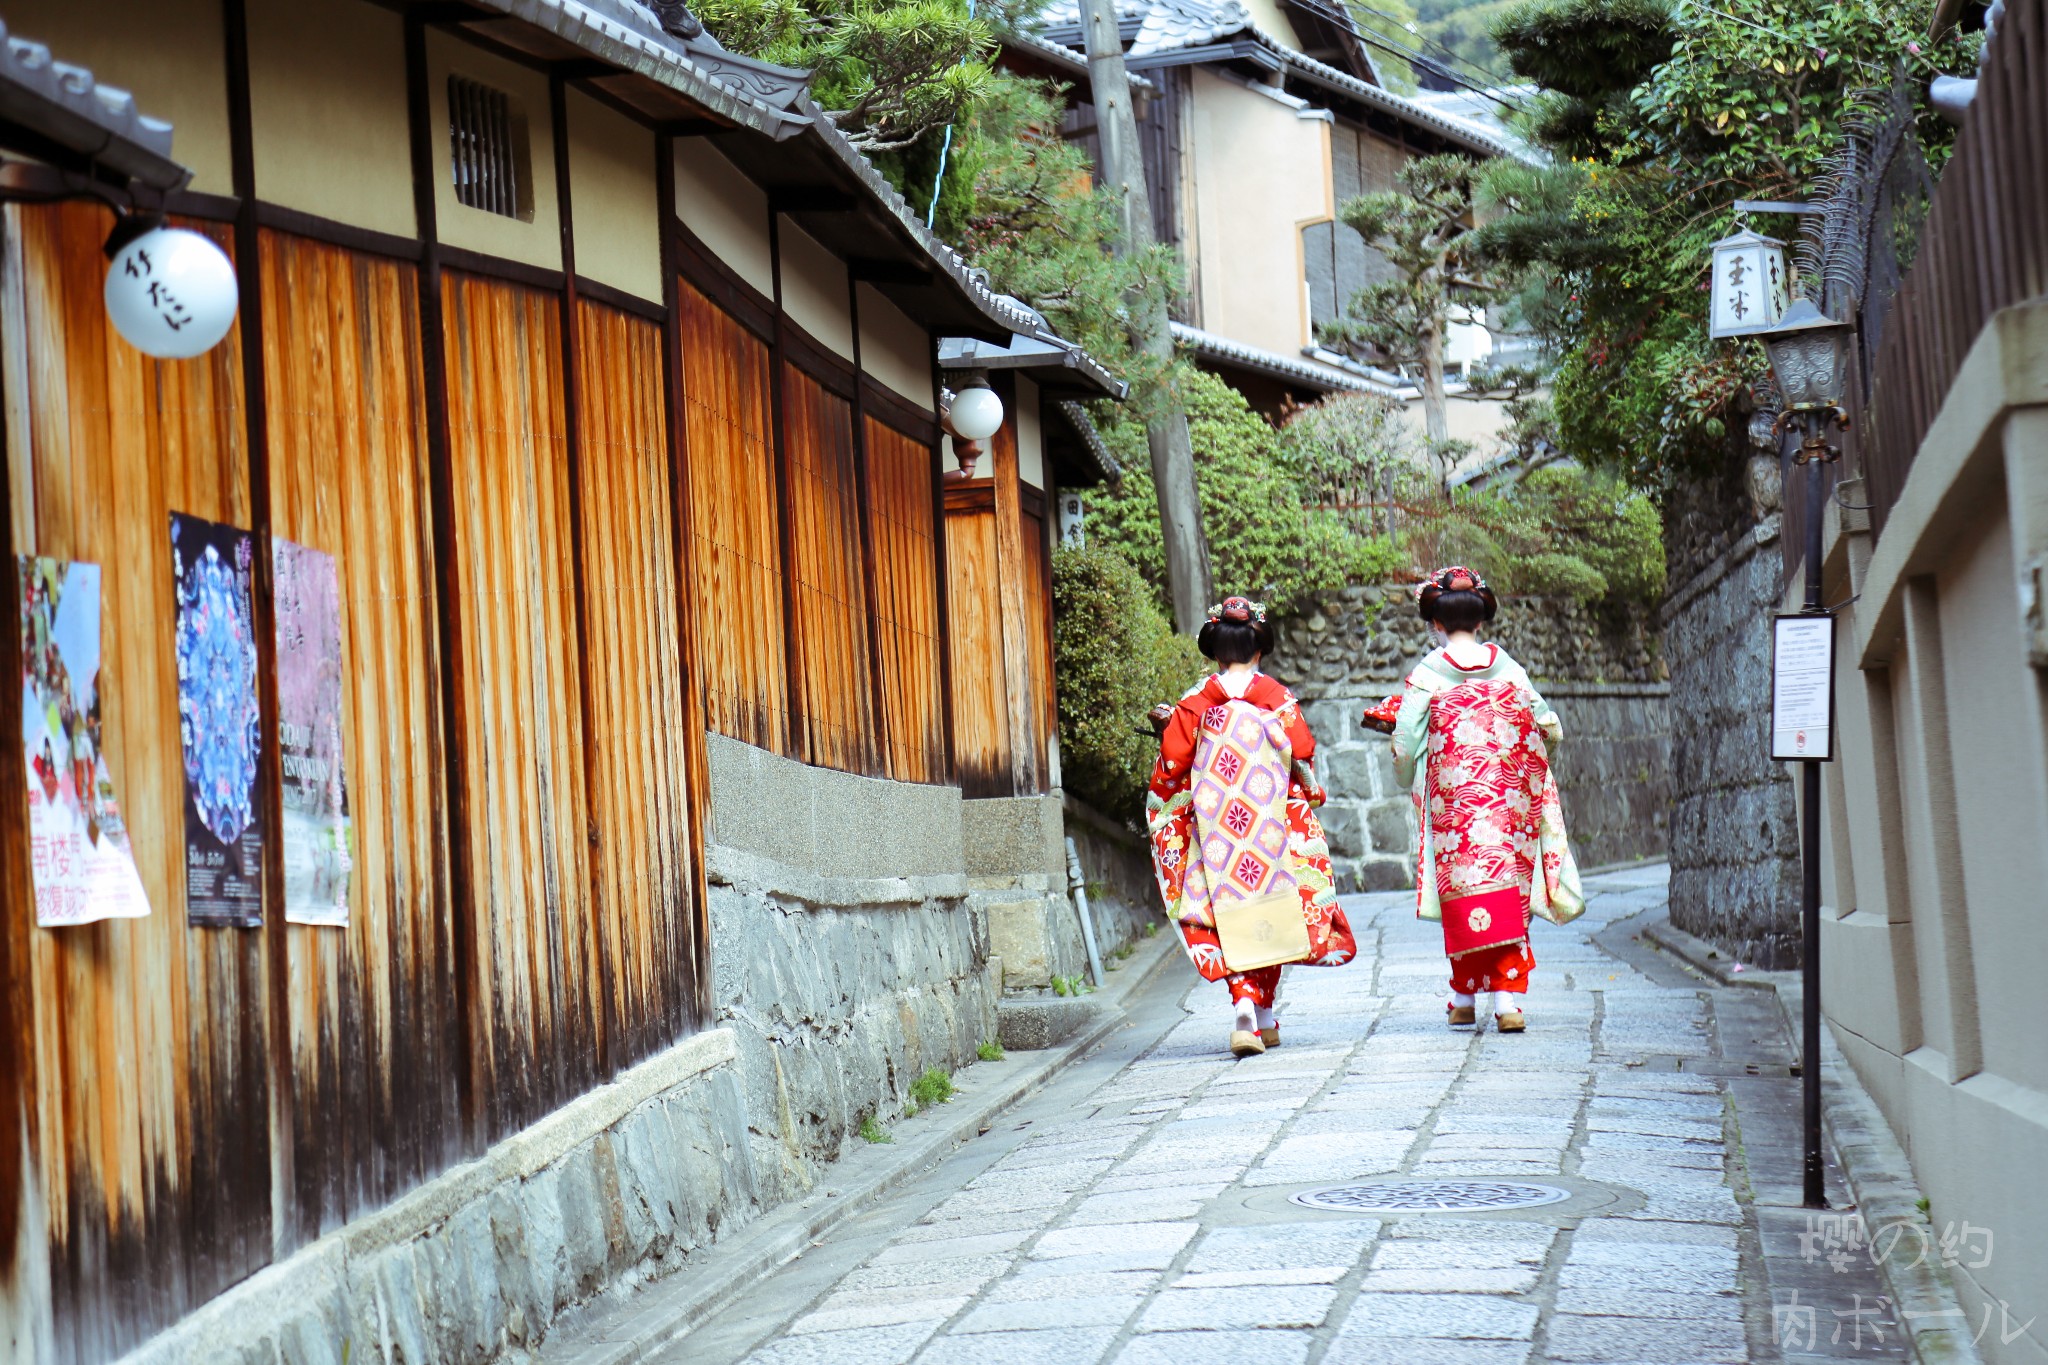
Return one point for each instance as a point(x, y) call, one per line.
point(1474, 730)
point(1232, 817)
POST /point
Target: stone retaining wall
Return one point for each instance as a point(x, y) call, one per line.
point(1602, 671)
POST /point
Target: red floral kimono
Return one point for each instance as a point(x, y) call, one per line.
point(1231, 816)
point(1492, 850)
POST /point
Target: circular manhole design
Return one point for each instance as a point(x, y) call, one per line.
point(1431, 1196)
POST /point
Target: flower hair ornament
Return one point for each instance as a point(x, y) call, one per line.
point(1239, 612)
point(1455, 578)
point(1242, 610)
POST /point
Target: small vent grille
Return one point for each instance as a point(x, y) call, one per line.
point(488, 149)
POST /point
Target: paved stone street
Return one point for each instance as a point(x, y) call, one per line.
point(1139, 1210)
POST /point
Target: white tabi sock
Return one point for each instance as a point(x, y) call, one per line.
point(1247, 1017)
point(1507, 1002)
point(1462, 1000)
point(1268, 1018)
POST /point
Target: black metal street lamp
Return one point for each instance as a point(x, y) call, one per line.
point(1810, 354)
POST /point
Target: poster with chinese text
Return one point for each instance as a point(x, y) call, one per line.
point(79, 859)
point(315, 831)
point(218, 724)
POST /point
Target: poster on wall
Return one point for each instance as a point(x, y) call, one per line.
point(218, 723)
point(79, 858)
point(315, 832)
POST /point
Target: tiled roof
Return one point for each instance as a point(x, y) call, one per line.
point(1091, 440)
point(673, 49)
point(1328, 376)
point(1061, 56)
point(1160, 26)
point(76, 115)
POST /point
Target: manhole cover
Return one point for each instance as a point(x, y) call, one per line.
point(1431, 1196)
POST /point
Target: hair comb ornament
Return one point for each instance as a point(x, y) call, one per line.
point(1239, 609)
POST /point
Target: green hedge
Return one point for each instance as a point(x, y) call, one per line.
point(1117, 658)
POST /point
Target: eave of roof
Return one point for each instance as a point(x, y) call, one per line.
point(58, 112)
point(1320, 376)
point(1088, 439)
point(789, 145)
point(1061, 57)
point(1052, 361)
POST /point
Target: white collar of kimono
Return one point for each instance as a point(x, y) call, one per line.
point(1237, 684)
point(1439, 662)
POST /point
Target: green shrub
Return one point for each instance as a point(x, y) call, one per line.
point(871, 1131)
point(1265, 539)
point(1560, 531)
point(990, 1050)
point(1117, 657)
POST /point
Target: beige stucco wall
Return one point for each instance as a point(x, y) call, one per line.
point(814, 290)
point(171, 54)
point(613, 204)
point(726, 211)
point(894, 351)
point(327, 110)
point(1030, 435)
point(1260, 173)
point(538, 242)
point(1935, 821)
point(1272, 17)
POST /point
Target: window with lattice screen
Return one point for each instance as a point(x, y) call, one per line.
point(488, 152)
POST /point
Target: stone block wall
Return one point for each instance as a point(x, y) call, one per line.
point(1734, 826)
point(1603, 671)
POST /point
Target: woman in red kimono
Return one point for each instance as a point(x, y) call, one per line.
point(1492, 849)
point(1232, 818)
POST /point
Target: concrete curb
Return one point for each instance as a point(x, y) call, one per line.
point(1874, 1165)
point(634, 1322)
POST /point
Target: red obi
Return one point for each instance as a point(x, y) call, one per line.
point(1490, 919)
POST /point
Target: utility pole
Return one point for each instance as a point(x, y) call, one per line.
point(1173, 451)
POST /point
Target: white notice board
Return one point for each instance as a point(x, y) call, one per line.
point(1803, 688)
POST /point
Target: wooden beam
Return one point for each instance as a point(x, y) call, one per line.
point(692, 127)
point(876, 692)
point(792, 629)
point(582, 69)
point(1012, 582)
point(813, 199)
point(878, 270)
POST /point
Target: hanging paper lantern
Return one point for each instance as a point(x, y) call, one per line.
point(171, 293)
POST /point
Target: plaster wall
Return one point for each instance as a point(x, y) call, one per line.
point(537, 241)
point(1936, 834)
point(1261, 171)
point(894, 351)
point(725, 210)
point(170, 54)
point(1030, 435)
point(328, 114)
point(612, 199)
point(814, 290)
point(1271, 15)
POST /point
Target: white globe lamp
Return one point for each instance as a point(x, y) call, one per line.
point(171, 292)
point(977, 413)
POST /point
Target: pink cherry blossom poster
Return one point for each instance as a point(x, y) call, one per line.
point(317, 852)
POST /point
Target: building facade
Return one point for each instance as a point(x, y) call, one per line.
point(680, 704)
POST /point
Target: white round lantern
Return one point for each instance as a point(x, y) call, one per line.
point(976, 413)
point(171, 293)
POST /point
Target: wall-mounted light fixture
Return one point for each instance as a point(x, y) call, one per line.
point(973, 414)
point(170, 292)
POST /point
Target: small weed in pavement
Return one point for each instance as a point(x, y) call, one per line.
point(873, 1131)
point(934, 1087)
point(990, 1051)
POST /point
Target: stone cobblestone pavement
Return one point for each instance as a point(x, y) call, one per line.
point(1139, 1213)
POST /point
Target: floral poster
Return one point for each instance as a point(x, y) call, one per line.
point(315, 830)
point(78, 847)
point(218, 722)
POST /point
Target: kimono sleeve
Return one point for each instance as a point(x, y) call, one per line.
point(1540, 710)
point(1410, 728)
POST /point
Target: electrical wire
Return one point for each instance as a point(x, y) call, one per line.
point(1448, 52)
point(945, 147)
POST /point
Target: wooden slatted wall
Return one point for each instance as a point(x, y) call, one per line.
point(374, 1027)
point(148, 1103)
point(737, 558)
point(907, 603)
point(981, 725)
point(536, 987)
point(831, 591)
point(638, 764)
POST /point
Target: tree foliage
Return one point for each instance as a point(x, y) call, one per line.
point(1267, 539)
point(888, 71)
point(1422, 229)
point(1658, 119)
